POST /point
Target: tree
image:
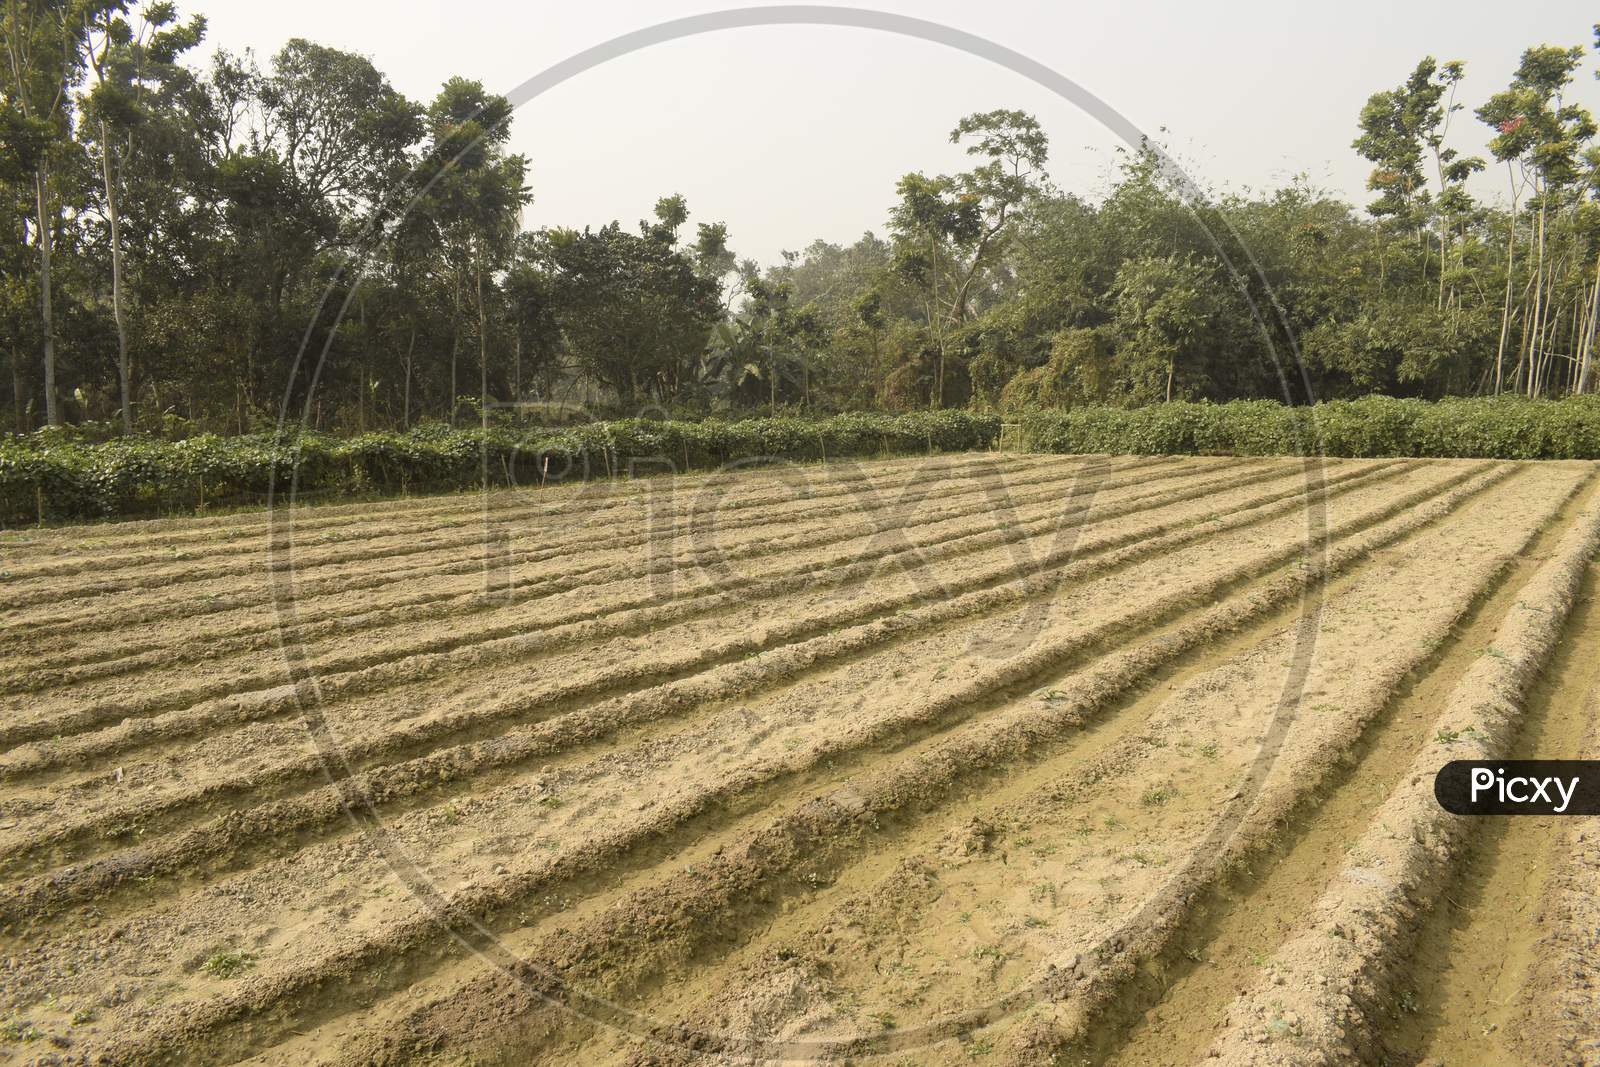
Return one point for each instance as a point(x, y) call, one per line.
point(1164, 312)
point(1542, 137)
point(1400, 130)
point(635, 310)
point(530, 294)
point(132, 70)
point(44, 58)
point(950, 229)
point(475, 197)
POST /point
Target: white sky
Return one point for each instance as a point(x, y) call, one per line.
point(789, 134)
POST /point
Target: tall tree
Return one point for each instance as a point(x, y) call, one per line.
point(135, 71)
point(475, 197)
point(1542, 136)
point(951, 229)
point(44, 59)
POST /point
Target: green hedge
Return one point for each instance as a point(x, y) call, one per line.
point(51, 477)
point(1499, 428)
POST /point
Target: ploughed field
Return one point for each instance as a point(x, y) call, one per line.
point(979, 758)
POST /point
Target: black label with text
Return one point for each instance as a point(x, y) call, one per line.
point(1519, 787)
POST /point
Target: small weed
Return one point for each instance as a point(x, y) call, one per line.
point(22, 1031)
point(1033, 922)
point(1209, 750)
point(228, 964)
point(883, 1019)
point(1154, 798)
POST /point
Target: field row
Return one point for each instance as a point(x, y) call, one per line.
point(979, 757)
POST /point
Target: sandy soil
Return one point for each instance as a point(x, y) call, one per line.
point(975, 758)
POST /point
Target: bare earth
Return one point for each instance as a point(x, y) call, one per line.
point(973, 759)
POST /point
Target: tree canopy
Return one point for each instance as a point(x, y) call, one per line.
point(177, 235)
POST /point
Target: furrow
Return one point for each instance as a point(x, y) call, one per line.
point(1287, 846)
point(392, 546)
point(1499, 974)
point(534, 625)
point(462, 766)
point(469, 597)
point(54, 624)
point(842, 959)
point(196, 1021)
point(781, 858)
point(1339, 968)
point(986, 591)
point(423, 521)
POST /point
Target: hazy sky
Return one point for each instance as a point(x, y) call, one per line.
point(789, 134)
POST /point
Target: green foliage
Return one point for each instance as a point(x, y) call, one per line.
point(228, 964)
point(1371, 427)
point(215, 245)
point(52, 476)
point(635, 309)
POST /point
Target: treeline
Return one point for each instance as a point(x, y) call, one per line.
point(177, 237)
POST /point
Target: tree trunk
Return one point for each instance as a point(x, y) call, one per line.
point(18, 404)
point(52, 411)
point(124, 373)
point(365, 392)
point(483, 348)
point(1505, 311)
point(1586, 359)
point(1535, 326)
point(405, 415)
point(455, 346)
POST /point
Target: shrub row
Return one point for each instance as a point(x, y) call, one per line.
point(1497, 428)
point(47, 477)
